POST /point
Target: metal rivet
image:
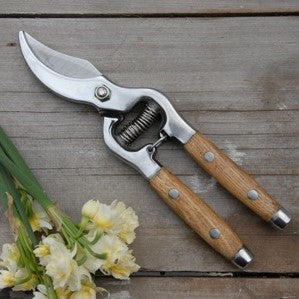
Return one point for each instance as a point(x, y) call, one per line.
point(102, 93)
point(215, 233)
point(252, 194)
point(173, 193)
point(209, 156)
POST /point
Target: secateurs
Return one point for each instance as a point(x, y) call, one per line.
point(79, 81)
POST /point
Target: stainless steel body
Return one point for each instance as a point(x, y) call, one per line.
point(78, 80)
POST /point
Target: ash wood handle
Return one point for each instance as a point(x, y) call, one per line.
point(232, 177)
point(197, 214)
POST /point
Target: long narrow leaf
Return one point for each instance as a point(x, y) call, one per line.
point(31, 186)
point(12, 152)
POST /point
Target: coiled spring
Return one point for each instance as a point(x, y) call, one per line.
point(140, 124)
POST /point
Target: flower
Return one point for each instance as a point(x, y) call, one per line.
point(41, 293)
point(119, 261)
point(63, 293)
point(29, 284)
point(115, 219)
point(39, 219)
point(90, 208)
point(48, 244)
point(87, 290)
point(61, 265)
point(10, 256)
point(128, 221)
point(7, 279)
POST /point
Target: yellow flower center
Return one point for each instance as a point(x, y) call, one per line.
point(42, 250)
point(103, 223)
point(8, 279)
point(34, 222)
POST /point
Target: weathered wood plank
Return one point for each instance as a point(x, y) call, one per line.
point(93, 154)
point(146, 7)
point(190, 287)
point(88, 125)
point(227, 60)
point(234, 79)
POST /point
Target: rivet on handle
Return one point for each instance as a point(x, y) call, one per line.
point(252, 194)
point(214, 233)
point(209, 156)
point(173, 193)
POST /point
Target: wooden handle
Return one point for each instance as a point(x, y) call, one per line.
point(195, 212)
point(231, 176)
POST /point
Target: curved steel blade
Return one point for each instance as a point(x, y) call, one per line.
point(73, 78)
point(58, 62)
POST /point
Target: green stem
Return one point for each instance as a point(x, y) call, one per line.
point(32, 188)
point(8, 186)
point(14, 155)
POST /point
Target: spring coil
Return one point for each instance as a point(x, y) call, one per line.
point(140, 124)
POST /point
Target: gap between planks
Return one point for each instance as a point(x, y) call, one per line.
point(213, 274)
point(152, 15)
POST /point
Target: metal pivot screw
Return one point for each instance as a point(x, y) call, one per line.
point(214, 233)
point(252, 194)
point(173, 193)
point(102, 93)
point(209, 156)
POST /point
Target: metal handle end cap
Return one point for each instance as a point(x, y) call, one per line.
point(281, 218)
point(242, 258)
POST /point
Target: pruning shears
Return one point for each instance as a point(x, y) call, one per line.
point(78, 80)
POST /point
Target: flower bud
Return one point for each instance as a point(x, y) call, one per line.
point(90, 209)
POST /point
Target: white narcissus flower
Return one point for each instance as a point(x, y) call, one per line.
point(115, 219)
point(10, 256)
point(63, 293)
point(63, 268)
point(41, 293)
point(28, 285)
point(128, 221)
point(90, 208)
point(61, 265)
point(119, 262)
point(49, 244)
point(88, 290)
point(39, 219)
point(7, 279)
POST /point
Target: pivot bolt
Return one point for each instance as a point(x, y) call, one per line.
point(102, 93)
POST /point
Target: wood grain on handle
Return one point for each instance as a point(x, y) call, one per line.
point(231, 176)
point(196, 213)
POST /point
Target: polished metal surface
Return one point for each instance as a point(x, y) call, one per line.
point(215, 233)
point(142, 159)
point(49, 67)
point(281, 218)
point(60, 63)
point(252, 194)
point(209, 156)
point(242, 258)
point(173, 193)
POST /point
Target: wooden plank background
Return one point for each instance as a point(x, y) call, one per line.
point(235, 79)
point(135, 7)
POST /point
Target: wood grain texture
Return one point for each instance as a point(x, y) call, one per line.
point(197, 214)
point(231, 176)
point(234, 79)
point(146, 7)
point(195, 287)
